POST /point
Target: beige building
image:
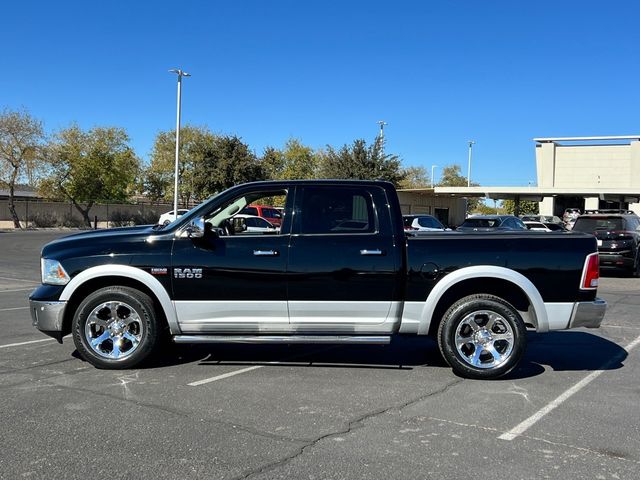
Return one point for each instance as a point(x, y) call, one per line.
point(607, 169)
point(588, 173)
point(449, 210)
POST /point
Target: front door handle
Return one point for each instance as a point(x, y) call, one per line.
point(265, 253)
point(375, 251)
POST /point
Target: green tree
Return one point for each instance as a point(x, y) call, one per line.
point(195, 143)
point(300, 161)
point(155, 183)
point(484, 209)
point(359, 161)
point(415, 177)
point(525, 208)
point(91, 166)
point(451, 177)
point(226, 162)
point(272, 162)
point(21, 140)
point(295, 161)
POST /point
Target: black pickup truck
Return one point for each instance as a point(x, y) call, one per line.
point(340, 269)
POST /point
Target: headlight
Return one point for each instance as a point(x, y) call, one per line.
point(53, 273)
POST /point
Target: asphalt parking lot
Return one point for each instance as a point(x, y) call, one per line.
point(571, 410)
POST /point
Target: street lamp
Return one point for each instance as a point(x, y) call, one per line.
point(180, 74)
point(382, 124)
point(432, 168)
point(471, 143)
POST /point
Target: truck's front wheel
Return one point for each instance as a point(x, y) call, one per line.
point(482, 336)
point(115, 327)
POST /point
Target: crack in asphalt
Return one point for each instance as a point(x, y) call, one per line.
point(351, 425)
point(137, 403)
point(182, 414)
point(584, 450)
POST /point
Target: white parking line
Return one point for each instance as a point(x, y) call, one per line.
point(529, 422)
point(19, 289)
point(256, 367)
point(32, 341)
point(26, 343)
point(14, 308)
point(17, 280)
point(225, 375)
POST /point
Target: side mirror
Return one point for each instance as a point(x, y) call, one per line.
point(196, 228)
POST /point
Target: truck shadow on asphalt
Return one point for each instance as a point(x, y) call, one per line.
point(568, 351)
point(559, 351)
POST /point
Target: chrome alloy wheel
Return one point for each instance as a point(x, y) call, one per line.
point(484, 339)
point(113, 330)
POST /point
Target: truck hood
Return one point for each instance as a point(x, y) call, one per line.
point(98, 242)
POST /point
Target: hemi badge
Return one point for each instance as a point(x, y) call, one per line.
point(158, 271)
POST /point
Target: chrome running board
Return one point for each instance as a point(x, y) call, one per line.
point(328, 339)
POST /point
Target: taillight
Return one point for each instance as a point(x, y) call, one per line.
point(590, 272)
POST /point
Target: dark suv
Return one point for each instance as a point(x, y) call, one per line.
point(618, 236)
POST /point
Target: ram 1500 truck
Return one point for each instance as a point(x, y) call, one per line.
point(340, 269)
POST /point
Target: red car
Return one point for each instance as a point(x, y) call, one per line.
point(267, 212)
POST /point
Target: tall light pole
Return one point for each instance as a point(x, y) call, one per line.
point(180, 74)
point(433, 167)
point(471, 143)
point(382, 124)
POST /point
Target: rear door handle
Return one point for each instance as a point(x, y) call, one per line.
point(265, 253)
point(375, 251)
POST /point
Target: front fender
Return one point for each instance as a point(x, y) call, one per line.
point(126, 271)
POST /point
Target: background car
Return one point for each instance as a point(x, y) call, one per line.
point(254, 224)
point(541, 218)
point(555, 227)
point(271, 214)
point(167, 218)
point(537, 226)
point(489, 223)
point(618, 236)
point(422, 223)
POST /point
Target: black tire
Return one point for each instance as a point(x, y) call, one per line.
point(120, 313)
point(499, 329)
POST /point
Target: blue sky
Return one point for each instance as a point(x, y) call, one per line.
point(439, 72)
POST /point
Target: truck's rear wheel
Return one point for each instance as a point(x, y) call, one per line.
point(482, 336)
point(115, 327)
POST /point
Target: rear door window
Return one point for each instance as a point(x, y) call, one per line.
point(336, 210)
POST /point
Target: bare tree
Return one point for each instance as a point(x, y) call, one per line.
point(21, 137)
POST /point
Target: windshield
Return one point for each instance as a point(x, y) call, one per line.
point(593, 224)
point(188, 213)
point(429, 222)
point(481, 223)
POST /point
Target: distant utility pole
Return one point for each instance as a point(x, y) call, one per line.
point(180, 74)
point(471, 143)
point(382, 124)
point(433, 167)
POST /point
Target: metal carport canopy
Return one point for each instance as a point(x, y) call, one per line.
point(535, 193)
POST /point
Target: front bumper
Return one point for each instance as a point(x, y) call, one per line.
point(588, 314)
point(48, 316)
